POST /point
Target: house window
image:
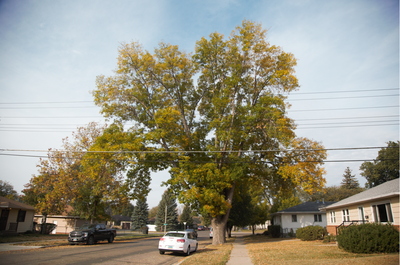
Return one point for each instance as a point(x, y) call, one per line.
point(317, 218)
point(294, 218)
point(21, 216)
point(333, 217)
point(382, 213)
point(346, 215)
point(361, 213)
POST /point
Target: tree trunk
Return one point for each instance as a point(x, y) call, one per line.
point(219, 223)
point(229, 231)
point(44, 224)
point(219, 226)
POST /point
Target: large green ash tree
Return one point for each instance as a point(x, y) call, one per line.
point(207, 131)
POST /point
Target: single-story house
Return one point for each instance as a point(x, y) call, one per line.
point(15, 216)
point(302, 215)
point(66, 222)
point(379, 204)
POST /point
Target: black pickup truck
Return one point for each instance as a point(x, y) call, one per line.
point(91, 233)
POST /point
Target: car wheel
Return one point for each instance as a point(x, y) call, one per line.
point(162, 252)
point(111, 239)
point(188, 251)
point(196, 247)
point(90, 240)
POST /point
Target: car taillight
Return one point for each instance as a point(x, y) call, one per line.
point(180, 240)
point(161, 239)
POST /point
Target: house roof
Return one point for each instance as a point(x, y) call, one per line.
point(385, 190)
point(119, 218)
point(306, 207)
point(8, 203)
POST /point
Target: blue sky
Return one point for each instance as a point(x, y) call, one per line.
point(52, 51)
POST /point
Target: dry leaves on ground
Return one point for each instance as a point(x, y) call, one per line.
point(283, 251)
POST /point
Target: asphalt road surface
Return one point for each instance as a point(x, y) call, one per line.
point(144, 251)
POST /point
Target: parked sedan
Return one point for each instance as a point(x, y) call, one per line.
point(194, 232)
point(178, 241)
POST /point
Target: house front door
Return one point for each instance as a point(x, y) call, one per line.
point(4, 219)
point(55, 229)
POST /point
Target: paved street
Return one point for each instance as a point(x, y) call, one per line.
point(143, 251)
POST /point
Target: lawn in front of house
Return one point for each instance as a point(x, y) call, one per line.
point(264, 250)
point(210, 254)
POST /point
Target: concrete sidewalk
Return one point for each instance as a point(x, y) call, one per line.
point(11, 247)
point(239, 254)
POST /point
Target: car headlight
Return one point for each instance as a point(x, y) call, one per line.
point(85, 234)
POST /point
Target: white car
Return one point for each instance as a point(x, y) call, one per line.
point(211, 232)
point(178, 241)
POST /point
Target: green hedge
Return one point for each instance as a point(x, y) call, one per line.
point(369, 238)
point(275, 230)
point(310, 233)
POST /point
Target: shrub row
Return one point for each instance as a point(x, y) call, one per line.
point(274, 230)
point(309, 233)
point(369, 238)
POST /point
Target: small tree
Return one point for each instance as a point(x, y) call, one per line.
point(140, 214)
point(153, 212)
point(166, 213)
point(186, 216)
point(384, 168)
point(7, 190)
point(349, 181)
point(334, 194)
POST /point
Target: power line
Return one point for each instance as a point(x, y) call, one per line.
point(373, 96)
point(300, 126)
point(76, 117)
point(202, 151)
point(47, 102)
point(49, 117)
point(203, 162)
point(18, 126)
point(377, 107)
point(336, 118)
point(348, 126)
point(70, 107)
point(293, 93)
point(347, 118)
point(55, 107)
point(347, 122)
point(343, 91)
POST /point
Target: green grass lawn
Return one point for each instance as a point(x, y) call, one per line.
point(264, 250)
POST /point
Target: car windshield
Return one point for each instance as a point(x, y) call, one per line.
point(86, 227)
point(175, 234)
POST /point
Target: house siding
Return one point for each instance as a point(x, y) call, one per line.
point(303, 220)
point(65, 224)
point(27, 225)
point(368, 212)
point(21, 226)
